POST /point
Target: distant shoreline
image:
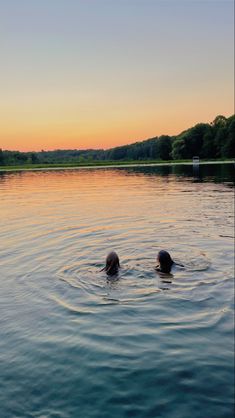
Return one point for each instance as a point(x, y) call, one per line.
point(73, 166)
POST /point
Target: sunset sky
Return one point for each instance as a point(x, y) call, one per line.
point(100, 73)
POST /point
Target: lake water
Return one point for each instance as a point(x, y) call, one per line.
point(75, 343)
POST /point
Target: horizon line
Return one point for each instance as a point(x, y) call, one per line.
point(116, 146)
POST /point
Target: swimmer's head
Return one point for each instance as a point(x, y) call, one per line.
point(165, 261)
point(112, 263)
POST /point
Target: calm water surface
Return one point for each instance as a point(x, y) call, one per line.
point(74, 343)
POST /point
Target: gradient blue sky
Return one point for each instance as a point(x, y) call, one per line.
point(99, 73)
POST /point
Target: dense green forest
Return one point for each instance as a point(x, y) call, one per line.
point(208, 141)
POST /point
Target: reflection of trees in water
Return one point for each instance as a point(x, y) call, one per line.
point(3, 177)
point(216, 173)
point(6, 175)
point(149, 170)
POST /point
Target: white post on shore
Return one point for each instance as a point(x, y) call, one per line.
point(196, 161)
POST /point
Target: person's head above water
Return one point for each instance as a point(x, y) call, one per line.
point(165, 261)
point(112, 263)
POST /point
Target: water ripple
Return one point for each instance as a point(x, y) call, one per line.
point(75, 342)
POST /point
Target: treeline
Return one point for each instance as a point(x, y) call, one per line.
point(208, 141)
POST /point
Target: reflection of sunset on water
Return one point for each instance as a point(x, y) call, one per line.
point(62, 313)
point(109, 201)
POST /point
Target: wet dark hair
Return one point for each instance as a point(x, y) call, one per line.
point(165, 261)
point(112, 263)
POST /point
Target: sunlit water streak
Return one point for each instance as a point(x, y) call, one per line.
point(75, 343)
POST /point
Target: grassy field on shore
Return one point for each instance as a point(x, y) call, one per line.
point(104, 164)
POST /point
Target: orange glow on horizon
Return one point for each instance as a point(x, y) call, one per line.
point(81, 77)
point(71, 136)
